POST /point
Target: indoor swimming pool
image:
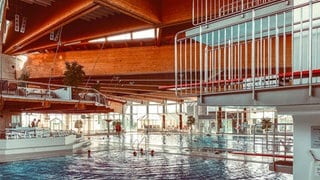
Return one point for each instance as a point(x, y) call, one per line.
point(112, 158)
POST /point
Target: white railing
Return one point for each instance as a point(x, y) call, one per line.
point(276, 49)
point(36, 90)
point(28, 132)
point(205, 11)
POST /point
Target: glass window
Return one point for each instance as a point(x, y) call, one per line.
point(172, 108)
point(119, 37)
point(155, 108)
point(98, 40)
point(149, 33)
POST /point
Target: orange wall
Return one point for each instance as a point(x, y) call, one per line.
point(131, 60)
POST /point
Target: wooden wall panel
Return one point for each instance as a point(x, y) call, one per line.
point(133, 60)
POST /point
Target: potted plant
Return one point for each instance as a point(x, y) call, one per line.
point(266, 125)
point(190, 121)
point(73, 76)
point(24, 76)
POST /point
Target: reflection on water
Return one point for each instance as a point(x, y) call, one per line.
point(112, 158)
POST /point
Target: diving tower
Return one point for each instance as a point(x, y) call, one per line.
point(251, 56)
point(256, 53)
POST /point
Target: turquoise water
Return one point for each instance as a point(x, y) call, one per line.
point(112, 158)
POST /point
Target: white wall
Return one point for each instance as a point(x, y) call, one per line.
point(303, 162)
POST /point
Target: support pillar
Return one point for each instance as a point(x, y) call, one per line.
point(303, 135)
point(245, 121)
point(164, 111)
point(163, 121)
point(180, 121)
point(306, 137)
point(219, 119)
point(68, 120)
point(180, 117)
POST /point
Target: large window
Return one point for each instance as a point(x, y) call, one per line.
point(143, 34)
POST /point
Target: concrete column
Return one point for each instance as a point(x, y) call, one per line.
point(306, 139)
point(131, 116)
point(304, 165)
point(46, 119)
point(68, 120)
point(89, 124)
point(202, 111)
point(123, 118)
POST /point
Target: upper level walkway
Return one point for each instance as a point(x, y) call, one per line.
point(29, 96)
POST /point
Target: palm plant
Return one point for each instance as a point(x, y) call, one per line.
point(23, 77)
point(266, 124)
point(191, 120)
point(74, 74)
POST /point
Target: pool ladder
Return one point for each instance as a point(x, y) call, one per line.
point(139, 142)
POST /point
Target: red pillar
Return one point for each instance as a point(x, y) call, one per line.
point(180, 121)
point(163, 121)
point(219, 119)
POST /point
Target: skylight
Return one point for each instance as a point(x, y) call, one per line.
point(119, 37)
point(98, 40)
point(144, 34)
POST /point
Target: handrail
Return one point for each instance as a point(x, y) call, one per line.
point(204, 11)
point(138, 142)
point(314, 156)
point(29, 89)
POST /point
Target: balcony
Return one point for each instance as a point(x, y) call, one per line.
point(40, 97)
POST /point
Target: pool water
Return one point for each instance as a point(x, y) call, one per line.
point(116, 161)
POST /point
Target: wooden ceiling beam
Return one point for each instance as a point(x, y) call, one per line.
point(145, 10)
point(76, 31)
point(63, 15)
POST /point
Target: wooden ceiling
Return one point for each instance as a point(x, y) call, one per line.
point(83, 20)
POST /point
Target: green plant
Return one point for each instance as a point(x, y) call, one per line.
point(116, 123)
point(74, 74)
point(191, 120)
point(266, 124)
point(24, 76)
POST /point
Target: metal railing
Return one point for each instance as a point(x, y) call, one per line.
point(278, 139)
point(274, 49)
point(205, 11)
point(26, 133)
point(36, 90)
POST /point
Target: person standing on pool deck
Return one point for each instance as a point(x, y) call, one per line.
point(33, 123)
